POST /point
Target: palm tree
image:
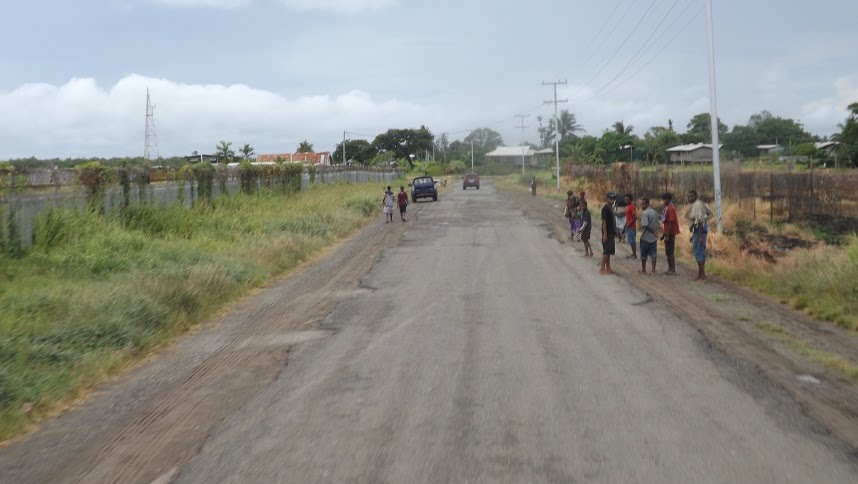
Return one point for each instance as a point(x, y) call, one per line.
point(224, 151)
point(621, 128)
point(305, 147)
point(568, 124)
point(246, 150)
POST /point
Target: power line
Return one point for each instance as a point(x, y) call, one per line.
point(650, 61)
point(646, 46)
point(593, 52)
point(623, 44)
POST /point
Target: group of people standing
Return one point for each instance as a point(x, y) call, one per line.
point(620, 222)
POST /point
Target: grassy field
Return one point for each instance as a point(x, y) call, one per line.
point(96, 293)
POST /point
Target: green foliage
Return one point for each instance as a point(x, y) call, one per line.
point(305, 147)
point(224, 152)
point(93, 293)
point(700, 129)
point(204, 175)
point(246, 151)
point(404, 142)
point(248, 176)
point(94, 177)
point(359, 150)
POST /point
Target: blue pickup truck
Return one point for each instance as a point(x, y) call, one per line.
point(423, 187)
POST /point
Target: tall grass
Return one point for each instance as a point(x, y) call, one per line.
point(94, 291)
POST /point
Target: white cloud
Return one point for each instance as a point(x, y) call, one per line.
point(832, 110)
point(221, 4)
point(338, 6)
point(81, 118)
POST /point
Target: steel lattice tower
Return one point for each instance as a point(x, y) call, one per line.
point(150, 146)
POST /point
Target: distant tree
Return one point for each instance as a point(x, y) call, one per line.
point(405, 142)
point(567, 127)
point(848, 136)
point(657, 141)
point(700, 131)
point(485, 140)
point(356, 149)
point(305, 147)
point(620, 128)
point(224, 151)
point(246, 151)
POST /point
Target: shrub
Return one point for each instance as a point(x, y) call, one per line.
point(94, 177)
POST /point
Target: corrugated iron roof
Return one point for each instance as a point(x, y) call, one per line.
point(512, 151)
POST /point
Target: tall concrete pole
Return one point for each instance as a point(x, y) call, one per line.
point(716, 149)
point(556, 126)
point(522, 116)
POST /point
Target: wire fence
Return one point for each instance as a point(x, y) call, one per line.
point(777, 196)
point(24, 195)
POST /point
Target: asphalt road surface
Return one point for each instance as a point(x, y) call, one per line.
point(474, 349)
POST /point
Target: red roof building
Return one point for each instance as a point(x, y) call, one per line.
point(323, 158)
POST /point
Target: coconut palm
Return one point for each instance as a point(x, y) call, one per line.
point(568, 124)
point(246, 150)
point(224, 151)
point(621, 128)
point(305, 147)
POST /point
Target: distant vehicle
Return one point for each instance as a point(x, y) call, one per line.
point(423, 187)
point(471, 180)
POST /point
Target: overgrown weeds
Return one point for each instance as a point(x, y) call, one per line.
point(96, 291)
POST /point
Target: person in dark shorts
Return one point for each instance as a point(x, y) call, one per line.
point(586, 226)
point(609, 232)
point(669, 232)
point(402, 201)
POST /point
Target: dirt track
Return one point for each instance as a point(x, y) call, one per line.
point(463, 345)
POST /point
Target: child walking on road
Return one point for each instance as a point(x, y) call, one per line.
point(387, 202)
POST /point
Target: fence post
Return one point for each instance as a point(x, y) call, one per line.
point(771, 197)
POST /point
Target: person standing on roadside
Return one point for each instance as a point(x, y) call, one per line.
point(609, 231)
point(669, 232)
point(387, 202)
point(650, 222)
point(631, 224)
point(533, 186)
point(698, 216)
point(402, 200)
point(570, 212)
point(586, 226)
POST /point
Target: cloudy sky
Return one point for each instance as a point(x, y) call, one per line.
point(74, 74)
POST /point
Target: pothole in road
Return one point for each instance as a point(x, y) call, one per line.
point(808, 379)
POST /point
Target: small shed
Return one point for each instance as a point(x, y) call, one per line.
point(827, 147)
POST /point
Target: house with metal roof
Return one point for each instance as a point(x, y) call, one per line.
point(512, 155)
point(770, 149)
point(828, 147)
point(693, 153)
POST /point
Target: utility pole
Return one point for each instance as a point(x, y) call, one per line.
point(522, 116)
point(556, 125)
point(344, 147)
point(472, 154)
point(716, 149)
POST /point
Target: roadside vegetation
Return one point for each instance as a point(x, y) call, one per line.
point(96, 292)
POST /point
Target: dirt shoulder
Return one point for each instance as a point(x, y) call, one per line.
point(143, 425)
point(797, 353)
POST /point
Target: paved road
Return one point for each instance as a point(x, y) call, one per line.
point(477, 349)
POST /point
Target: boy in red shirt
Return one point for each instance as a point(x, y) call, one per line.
point(402, 201)
point(631, 224)
point(669, 232)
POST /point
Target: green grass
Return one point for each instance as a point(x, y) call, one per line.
point(828, 360)
point(821, 282)
point(96, 292)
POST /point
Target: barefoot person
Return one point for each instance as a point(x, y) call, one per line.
point(698, 216)
point(586, 225)
point(609, 232)
point(387, 202)
point(631, 224)
point(402, 200)
point(669, 233)
point(650, 222)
